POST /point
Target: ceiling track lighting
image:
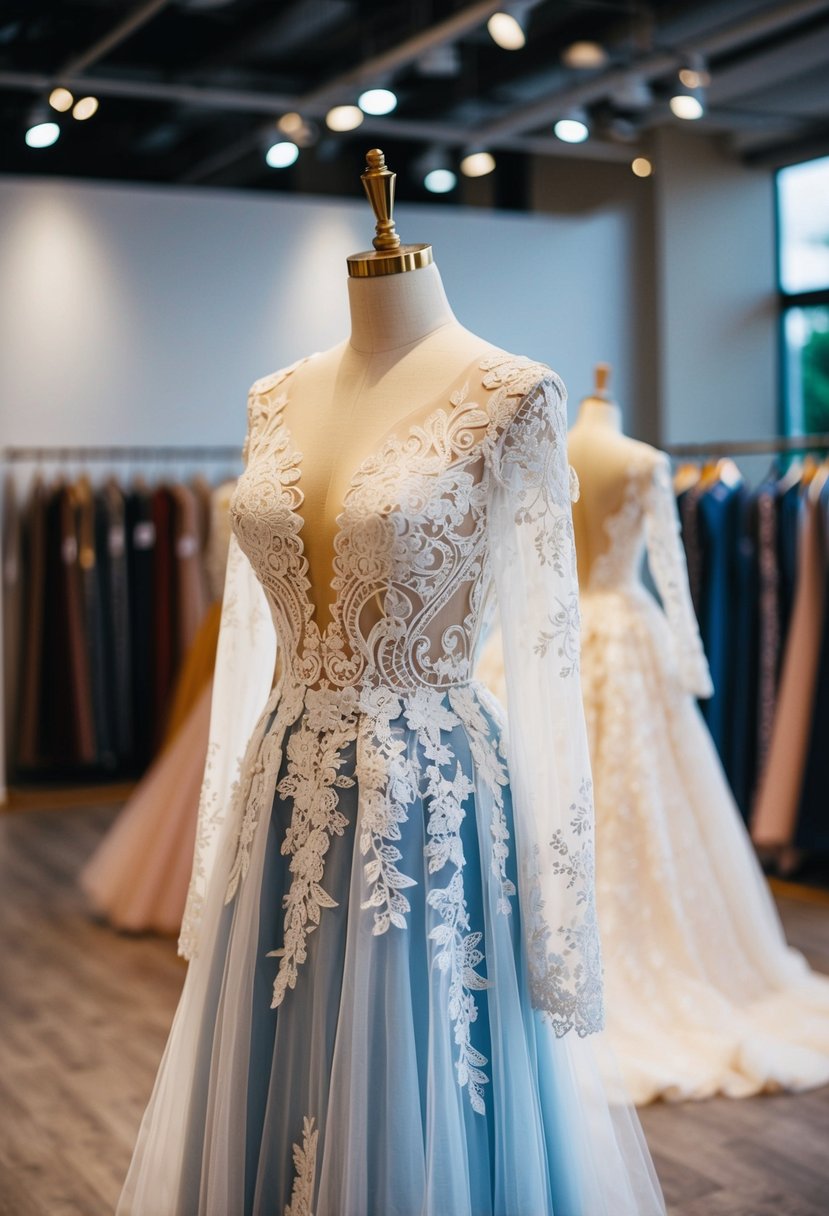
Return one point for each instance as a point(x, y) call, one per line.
point(641, 166)
point(42, 134)
point(85, 108)
point(344, 118)
point(61, 99)
point(688, 97)
point(477, 164)
point(282, 154)
point(436, 171)
point(508, 27)
point(573, 127)
point(377, 101)
point(585, 56)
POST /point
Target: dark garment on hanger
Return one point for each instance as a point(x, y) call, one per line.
point(719, 514)
point(164, 608)
point(788, 515)
point(189, 594)
point(66, 727)
point(110, 547)
point(140, 542)
point(12, 615)
point(34, 608)
point(688, 505)
point(770, 639)
point(744, 740)
point(812, 834)
point(101, 693)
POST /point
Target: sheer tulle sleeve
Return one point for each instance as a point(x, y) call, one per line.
point(245, 662)
point(666, 558)
point(534, 568)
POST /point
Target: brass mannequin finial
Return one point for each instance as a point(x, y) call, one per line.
point(388, 256)
point(602, 379)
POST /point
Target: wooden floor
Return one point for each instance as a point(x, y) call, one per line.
point(84, 1016)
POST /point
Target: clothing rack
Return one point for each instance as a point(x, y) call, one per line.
point(778, 445)
point(123, 453)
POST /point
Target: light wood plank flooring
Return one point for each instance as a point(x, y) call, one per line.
point(84, 1016)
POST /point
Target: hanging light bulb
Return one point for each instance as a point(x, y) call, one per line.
point(344, 118)
point(507, 30)
point(377, 101)
point(477, 164)
point(42, 134)
point(585, 55)
point(688, 99)
point(85, 108)
point(281, 155)
point(572, 128)
point(61, 99)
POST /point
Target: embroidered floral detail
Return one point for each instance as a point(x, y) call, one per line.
point(305, 1170)
point(313, 777)
point(388, 786)
point(564, 635)
point(490, 768)
point(458, 952)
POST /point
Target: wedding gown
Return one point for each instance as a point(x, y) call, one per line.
point(703, 994)
point(395, 970)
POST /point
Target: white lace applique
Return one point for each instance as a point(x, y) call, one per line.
point(489, 766)
point(388, 786)
point(305, 1169)
point(563, 635)
point(313, 777)
point(566, 976)
point(458, 948)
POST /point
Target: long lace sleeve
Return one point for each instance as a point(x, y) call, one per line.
point(245, 661)
point(666, 558)
point(534, 569)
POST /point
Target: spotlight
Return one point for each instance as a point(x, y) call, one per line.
point(688, 100)
point(477, 164)
point(377, 101)
point(42, 134)
point(290, 123)
point(61, 99)
point(344, 118)
point(85, 108)
point(507, 30)
point(440, 181)
point(573, 128)
point(634, 93)
point(281, 155)
point(585, 55)
point(641, 166)
point(687, 106)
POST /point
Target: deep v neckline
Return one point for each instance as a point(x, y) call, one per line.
point(404, 433)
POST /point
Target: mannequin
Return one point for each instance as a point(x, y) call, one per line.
point(405, 355)
point(362, 844)
point(597, 445)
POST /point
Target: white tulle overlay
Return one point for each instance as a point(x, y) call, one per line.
point(391, 924)
point(703, 995)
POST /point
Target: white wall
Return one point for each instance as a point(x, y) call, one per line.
point(141, 315)
point(716, 306)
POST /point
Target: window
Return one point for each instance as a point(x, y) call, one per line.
point(803, 261)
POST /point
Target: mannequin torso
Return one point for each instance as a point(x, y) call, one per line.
point(406, 355)
point(604, 459)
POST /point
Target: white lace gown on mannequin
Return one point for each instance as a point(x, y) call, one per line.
point(395, 972)
point(703, 995)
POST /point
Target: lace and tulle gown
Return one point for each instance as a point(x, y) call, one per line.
point(703, 994)
point(394, 973)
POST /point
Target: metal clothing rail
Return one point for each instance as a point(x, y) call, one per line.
point(121, 453)
point(751, 447)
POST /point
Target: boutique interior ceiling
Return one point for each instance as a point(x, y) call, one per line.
point(198, 91)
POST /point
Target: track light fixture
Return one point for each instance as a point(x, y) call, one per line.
point(61, 99)
point(377, 101)
point(573, 127)
point(282, 154)
point(42, 134)
point(477, 164)
point(508, 28)
point(688, 98)
point(344, 118)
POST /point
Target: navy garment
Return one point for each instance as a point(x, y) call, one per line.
point(744, 741)
point(813, 817)
point(719, 519)
point(788, 515)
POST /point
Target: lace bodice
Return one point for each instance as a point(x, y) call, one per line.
point(411, 570)
point(648, 520)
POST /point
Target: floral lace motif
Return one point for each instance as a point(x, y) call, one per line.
point(305, 1169)
point(389, 675)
